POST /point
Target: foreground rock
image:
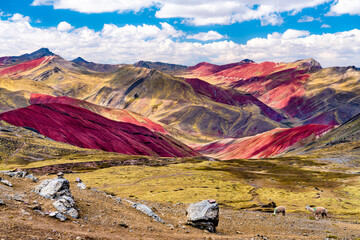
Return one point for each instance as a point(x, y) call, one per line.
point(58, 189)
point(146, 210)
point(5, 182)
point(203, 215)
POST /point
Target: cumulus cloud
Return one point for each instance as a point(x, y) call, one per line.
point(340, 7)
point(96, 6)
point(64, 26)
point(196, 12)
point(130, 43)
point(206, 36)
point(293, 34)
point(17, 17)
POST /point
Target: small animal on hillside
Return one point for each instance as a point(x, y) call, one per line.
point(280, 209)
point(317, 211)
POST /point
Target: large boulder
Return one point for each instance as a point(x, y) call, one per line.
point(53, 188)
point(203, 215)
point(58, 189)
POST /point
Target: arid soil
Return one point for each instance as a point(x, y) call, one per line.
point(103, 217)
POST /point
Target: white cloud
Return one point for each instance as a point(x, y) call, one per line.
point(206, 36)
point(293, 34)
point(64, 27)
point(340, 7)
point(196, 12)
point(129, 43)
point(17, 17)
point(325, 26)
point(308, 19)
point(96, 6)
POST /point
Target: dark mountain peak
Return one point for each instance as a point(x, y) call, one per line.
point(43, 51)
point(160, 66)
point(79, 59)
point(246, 61)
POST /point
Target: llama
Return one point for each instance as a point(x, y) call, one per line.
point(317, 211)
point(280, 209)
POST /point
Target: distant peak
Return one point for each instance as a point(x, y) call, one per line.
point(309, 62)
point(246, 61)
point(79, 59)
point(43, 51)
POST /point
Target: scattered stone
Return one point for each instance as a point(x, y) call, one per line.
point(57, 215)
point(24, 212)
point(20, 174)
point(6, 182)
point(118, 199)
point(203, 215)
point(123, 224)
point(18, 198)
point(80, 184)
point(2, 202)
point(146, 210)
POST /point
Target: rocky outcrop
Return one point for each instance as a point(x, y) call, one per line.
point(203, 215)
point(58, 189)
point(20, 174)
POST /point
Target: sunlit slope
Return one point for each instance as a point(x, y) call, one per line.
point(83, 128)
point(302, 89)
point(342, 143)
point(263, 145)
point(121, 115)
point(178, 104)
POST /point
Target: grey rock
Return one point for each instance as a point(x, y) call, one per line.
point(32, 178)
point(146, 210)
point(203, 215)
point(2, 202)
point(53, 188)
point(57, 215)
point(58, 189)
point(81, 185)
point(5, 182)
point(66, 205)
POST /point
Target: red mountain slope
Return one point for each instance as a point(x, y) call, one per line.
point(21, 67)
point(231, 97)
point(266, 144)
point(83, 128)
point(120, 115)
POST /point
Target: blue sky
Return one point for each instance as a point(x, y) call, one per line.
point(184, 31)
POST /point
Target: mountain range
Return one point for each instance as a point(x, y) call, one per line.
point(238, 110)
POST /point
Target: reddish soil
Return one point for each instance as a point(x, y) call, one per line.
point(83, 128)
point(120, 115)
point(24, 66)
point(103, 217)
point(263, 145)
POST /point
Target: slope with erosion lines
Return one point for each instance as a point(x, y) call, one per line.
point(263, 145)
point(176, 103)
point(302, 89)
point(120, 115)
point(341, 144)
point(14, 60)
point(83, 128)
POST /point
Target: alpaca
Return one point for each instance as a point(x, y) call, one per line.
point(317, 211)
point(280, 209)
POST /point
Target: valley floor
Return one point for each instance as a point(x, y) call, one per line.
point(103, 217)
